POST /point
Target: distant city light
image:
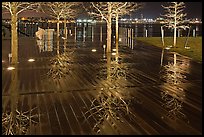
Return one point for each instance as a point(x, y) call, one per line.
point(23, 18)
point(31, 60)
point(10, 68)
point(79, 20)
point(85, 20)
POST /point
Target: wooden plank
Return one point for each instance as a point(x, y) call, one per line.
point(68, 126)
point(75, 129)
point(53, 117)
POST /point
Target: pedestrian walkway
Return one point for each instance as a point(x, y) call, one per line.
point(84, 91)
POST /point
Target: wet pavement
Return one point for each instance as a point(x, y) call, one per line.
point(79, 91)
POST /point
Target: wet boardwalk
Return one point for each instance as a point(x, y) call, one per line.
point(140, 97)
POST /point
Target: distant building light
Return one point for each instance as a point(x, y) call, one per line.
point(114, 49)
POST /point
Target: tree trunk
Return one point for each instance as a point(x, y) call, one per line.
point(65, 28)
point(108, 37)
point(162, 57)
point(175, 24)
point(58, 46)
point(174, 59)
point(14, 37)
point(175, 37)
point(108, 50)
point(162, 35)
point(116, 36)
point(108, 65)
point(58, 35)
point(101, 34)
point(65, 33)
point(58, 29)
point(75, 31)
point(14, 92)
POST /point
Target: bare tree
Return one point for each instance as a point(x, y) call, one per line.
point(103, 11)
point(55, 10)
point(71, 11)
point(120, 9)
point(15, 8)
point(174, 17)
point(60, 10)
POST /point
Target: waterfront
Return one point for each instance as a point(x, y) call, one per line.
point(148, 97)
point(139, 30)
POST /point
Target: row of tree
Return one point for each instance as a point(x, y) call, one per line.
point(100, 10)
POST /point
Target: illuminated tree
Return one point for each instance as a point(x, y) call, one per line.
point(15, 8)
point(15, 121)
point(174, 17)
point(58, 10)
point(72, 10)
point(59, 65)
point(120, 9)
point(107, 106)
point(172, 75)
point(104, 11)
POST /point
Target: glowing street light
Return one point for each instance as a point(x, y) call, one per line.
point(10, 68)
point(187, 47)
point(113, 53)
point(93, 50)
point(167, 48)
point(114, 49)
point(63, 38)
point(31, 60)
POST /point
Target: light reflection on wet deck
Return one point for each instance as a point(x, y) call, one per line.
point(150, 99)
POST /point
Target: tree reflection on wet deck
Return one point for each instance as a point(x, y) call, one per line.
point(139, 97)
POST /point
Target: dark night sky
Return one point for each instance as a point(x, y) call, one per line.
point(154, 9)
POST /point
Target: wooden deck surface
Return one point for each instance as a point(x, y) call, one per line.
point(84, 98)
